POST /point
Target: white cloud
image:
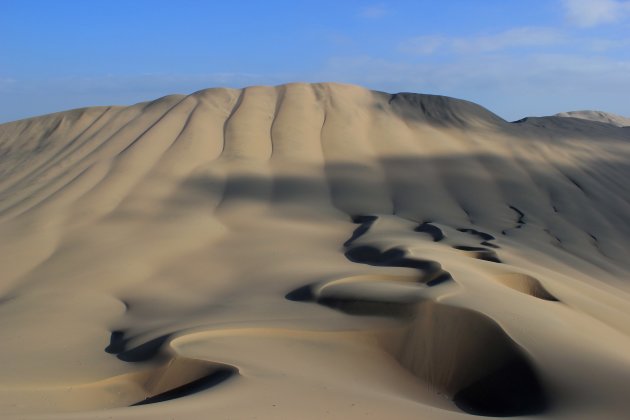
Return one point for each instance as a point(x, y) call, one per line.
point(375, 11)
point(514, 38)
point(587, 13)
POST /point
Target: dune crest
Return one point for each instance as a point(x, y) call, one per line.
point(313, 251)
point(605, 117)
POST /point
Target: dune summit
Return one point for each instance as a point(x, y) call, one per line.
point(313, 251)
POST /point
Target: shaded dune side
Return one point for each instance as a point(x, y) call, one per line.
point(442, 111)
point(470, 358)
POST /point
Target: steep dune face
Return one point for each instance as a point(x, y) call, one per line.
point(313, 251)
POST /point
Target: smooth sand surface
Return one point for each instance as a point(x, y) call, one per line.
point(313, 251)
point(605, 117)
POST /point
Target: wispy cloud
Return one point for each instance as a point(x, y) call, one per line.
point(513, 38)
point(374, 11)
point(513, 85)
point(588, 13)
point(604, 45)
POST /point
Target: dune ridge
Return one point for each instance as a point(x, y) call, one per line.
point(317, 250)
point(605, 117)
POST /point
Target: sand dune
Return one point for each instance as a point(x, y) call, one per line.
point(313, 251)
point(604, 117)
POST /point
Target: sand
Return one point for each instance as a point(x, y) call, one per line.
point(604, 117)
point(313, 251)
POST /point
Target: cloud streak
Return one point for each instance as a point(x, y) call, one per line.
point(524, 37)
point(589, 13)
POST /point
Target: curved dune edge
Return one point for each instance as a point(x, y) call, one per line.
point(323, 240)
point(176, 377)
point(471, 359)
point(458, 352)
point(526, 284)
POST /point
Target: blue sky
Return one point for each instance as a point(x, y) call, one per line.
point(517, 58)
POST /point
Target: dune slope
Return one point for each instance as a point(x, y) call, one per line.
point(604, 117)
point(313, 251)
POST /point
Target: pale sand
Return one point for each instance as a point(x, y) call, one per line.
point(313, 251)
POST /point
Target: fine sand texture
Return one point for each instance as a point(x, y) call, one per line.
point(313, 251)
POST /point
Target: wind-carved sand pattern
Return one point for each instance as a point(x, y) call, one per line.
point(311, 251)
point(459, 352)
point(172, 376)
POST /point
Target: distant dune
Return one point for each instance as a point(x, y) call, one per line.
point(600, 116)
point(314, 251)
